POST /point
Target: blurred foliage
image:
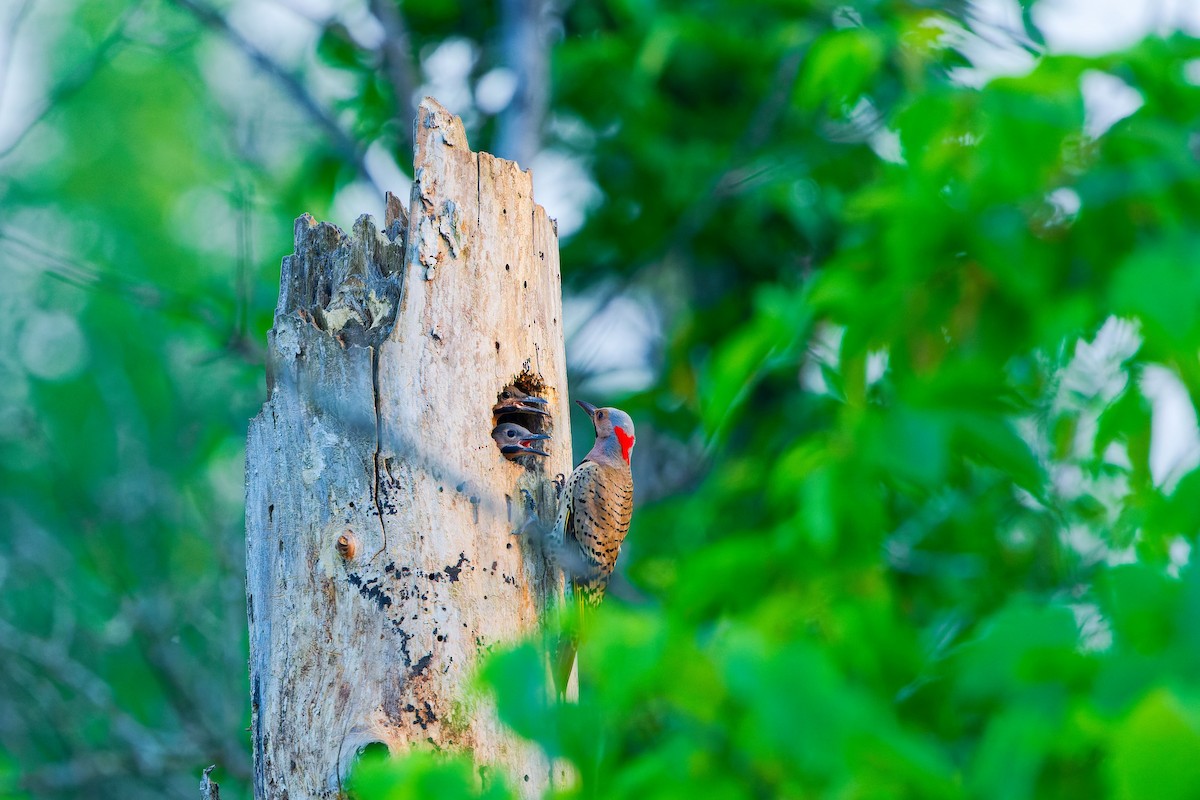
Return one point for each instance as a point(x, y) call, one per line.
point(904, 529)
point(419, 776)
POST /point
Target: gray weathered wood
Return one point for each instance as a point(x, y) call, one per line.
point(380, 559)
point(209, 789)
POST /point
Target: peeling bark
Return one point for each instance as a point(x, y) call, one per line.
point(381, 563)
point(209, 789)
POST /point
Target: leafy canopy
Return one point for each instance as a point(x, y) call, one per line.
point(904, 527)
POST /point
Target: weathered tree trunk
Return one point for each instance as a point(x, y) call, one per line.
point(381, 562)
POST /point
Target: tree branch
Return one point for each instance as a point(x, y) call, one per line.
point(524, 42)
point(292, 86)
point(53, 659)
point(78, 78)
point(396, 52)
point(756, 134)
point(10, 43)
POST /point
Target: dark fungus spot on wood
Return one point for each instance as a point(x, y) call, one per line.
point(422, 664)
point(497, 347)
point(404, 637)
point(524, 284)
point(371, 590)
point(410, 708)
point(452, 572)
point(507, 267)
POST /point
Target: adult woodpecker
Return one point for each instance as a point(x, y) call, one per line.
point(515, 441)
point(593, 517)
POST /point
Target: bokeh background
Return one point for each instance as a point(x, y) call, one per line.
point(902, 295)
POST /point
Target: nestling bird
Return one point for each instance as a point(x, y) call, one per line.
point(516, 441)
point(515, 401)
point(593, 516)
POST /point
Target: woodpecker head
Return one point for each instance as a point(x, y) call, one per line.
point(614, 434)
point(514, 401)
point(515, 441)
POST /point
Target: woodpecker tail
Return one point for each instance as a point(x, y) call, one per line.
point(564, 663)
point(567, 648)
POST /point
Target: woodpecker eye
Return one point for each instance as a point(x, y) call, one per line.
point(511, 434)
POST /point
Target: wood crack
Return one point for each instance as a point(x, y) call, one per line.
point(378, 450)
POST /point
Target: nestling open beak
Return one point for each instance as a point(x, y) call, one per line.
point(522, 405)
point(588, 407)
point(525, 446)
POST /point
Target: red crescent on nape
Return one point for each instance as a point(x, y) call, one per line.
point(626, 442)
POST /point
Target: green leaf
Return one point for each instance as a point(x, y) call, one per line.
point(840, 67)
point(1156, 749)
point(1158, 285)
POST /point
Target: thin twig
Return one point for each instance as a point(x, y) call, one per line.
point(396, 53)
point(291, 84)
point(182, 693)
point(757, 132)
point(524, 42)
point(78, 78)
point(76, 272)
point(10, 44)
point(53, 659)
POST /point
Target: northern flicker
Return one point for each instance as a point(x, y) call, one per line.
point(593, 517)
point(514, 401)
point(515, 441)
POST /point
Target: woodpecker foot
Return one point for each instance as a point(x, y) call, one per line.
point(530, 524)
point(531, 519)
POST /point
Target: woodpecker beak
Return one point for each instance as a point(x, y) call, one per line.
point(525, 446)
point(588, 407)
point(522, 405)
